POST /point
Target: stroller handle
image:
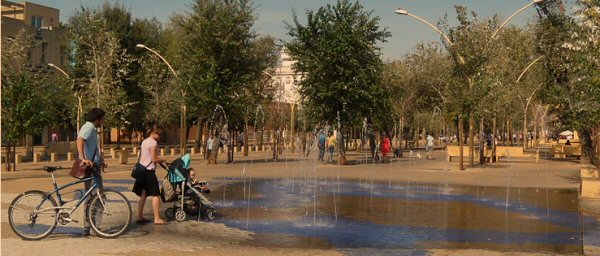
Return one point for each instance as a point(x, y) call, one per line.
point(163, 165)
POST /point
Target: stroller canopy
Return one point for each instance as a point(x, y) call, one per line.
point(178, 170)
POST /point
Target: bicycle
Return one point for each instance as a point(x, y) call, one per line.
point(108, 211)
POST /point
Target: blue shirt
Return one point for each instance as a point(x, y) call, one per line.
point(89, 133)
point(322, 139)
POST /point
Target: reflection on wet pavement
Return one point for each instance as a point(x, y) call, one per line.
point(325, 213)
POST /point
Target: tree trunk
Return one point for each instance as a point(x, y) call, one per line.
point(461, 135)
point(246, 139)
point(231, 145)
point(199, 132)
point(588, 147)
point(524, 130)
point(471, 141)
point(341, 148)
point(8, 156)
point(482, 142)
point(493, 140)
point(509, 131)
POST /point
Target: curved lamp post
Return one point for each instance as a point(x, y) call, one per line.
point(528, 100)
point(79, 104)
point(461, 59)
point(183, 107)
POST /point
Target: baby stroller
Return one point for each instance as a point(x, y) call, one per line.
point(187, 200)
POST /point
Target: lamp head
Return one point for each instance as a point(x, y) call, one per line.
point(140, 46)
point(405, 12)
point(537, 1)
point(50, 64)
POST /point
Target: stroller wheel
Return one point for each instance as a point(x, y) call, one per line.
point(180, 215)
point(170, 213)
point(210, 215)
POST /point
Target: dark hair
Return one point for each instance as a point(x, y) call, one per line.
point(154, 129)
point(94, 115)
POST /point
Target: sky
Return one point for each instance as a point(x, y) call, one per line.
point(406, 31)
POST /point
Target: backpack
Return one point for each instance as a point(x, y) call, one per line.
point(167, 193)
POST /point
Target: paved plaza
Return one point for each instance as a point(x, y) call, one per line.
point(243, 232)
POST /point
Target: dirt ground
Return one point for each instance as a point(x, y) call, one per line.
point(218, 239)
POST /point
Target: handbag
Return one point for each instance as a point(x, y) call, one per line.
point(80, 170)
point(138, 169)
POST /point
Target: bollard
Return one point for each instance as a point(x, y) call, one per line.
point(173, 152)
point(193, 151)
point(36, 157)
point(69, 157)
point(162, 152)
point(19, 159)
point(113, 153)
point(53, 157)
point(135, 151)
point(123, 157)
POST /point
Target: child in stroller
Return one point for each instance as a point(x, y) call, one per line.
point(179, 189)
point(200, 185)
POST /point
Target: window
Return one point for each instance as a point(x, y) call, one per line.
point(288, 80)
point(36, 21)
point(43, 57)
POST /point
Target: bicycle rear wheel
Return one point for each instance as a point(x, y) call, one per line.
point(32, 216)
point(109, 214)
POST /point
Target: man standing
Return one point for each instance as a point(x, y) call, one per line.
point(429, 147)
point(89, 152)
point(209, 146)
point(321, 143)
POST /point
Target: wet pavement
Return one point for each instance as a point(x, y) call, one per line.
point(330, 213)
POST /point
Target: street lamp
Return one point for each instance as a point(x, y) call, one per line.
point(528, 100)
point(515, 14)
point(462, 61)
point(183, 107)
point(79, 104)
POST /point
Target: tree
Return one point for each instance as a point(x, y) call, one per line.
point(26, 101)
point(100, 65)
point(572, 47)
point(221, 61)
point(337, 50)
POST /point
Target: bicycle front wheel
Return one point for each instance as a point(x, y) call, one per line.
point(32, 215)
point(109, 214)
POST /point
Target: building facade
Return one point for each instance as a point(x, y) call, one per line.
point(286, 80)
point(40, 21)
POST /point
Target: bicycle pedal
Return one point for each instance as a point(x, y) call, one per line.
point(71, 220)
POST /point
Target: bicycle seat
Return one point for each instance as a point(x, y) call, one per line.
point(52, 168)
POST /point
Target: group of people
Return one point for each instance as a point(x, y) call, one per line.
point(146, 185)
point(385, 147)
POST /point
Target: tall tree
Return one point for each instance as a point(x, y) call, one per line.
point(572, 47)
point(337, 50)
point(27, 101)
point(222, 60)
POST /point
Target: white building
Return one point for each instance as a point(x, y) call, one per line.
point(286, 80)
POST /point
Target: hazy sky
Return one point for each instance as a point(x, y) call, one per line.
point(406, 31)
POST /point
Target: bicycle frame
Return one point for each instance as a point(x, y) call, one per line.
point(61, 202)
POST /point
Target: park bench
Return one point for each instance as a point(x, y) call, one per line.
point(504, 151)
point(454, 151)
point(563, 151)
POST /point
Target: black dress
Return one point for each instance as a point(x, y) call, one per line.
point(148, 182)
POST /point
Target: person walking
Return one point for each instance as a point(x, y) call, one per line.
point(90, 154)
point(209, 146)
point(385, 147)
point(147, 184)
point(331, 141)
point(429, 147)
point(321, 143)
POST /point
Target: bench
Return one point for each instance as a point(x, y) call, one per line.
point(563, 151)
point(454, 151)
point(504, 151)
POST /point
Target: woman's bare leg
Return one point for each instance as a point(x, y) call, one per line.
point(141, 204)
point(156, 209)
